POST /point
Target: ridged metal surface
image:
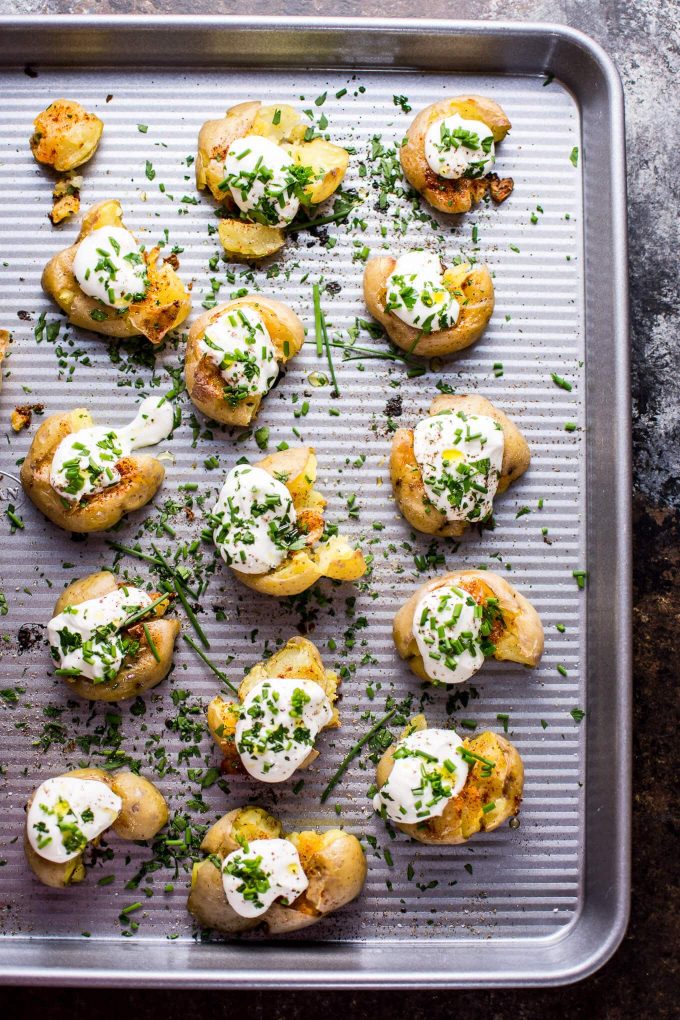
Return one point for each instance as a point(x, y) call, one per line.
point(510, 884)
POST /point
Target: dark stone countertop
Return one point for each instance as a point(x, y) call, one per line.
point(643, 976)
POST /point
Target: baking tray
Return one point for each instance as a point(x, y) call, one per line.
point(545, 903)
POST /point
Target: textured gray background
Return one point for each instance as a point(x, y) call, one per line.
point(642, 37)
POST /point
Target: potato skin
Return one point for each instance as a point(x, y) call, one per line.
point(138, 673)
point(472, 288)
point(521, 640)
point(143, 808)
point(333, 862)
point(65, 135)
point(141, 477)
point(204, 382)
point(296, 469)
point(298, 658)
point(453, 196)
point(463, 816)
point(165, 306)
point(407, 482)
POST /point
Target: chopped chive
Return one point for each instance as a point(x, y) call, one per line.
point(561, 669)
point(488, 807)
point(562, 383)
point(580, 576)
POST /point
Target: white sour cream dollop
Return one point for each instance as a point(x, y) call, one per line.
point(455, 147)
point(450, 631)
point(416, 294)
point(261, 179)
point(255, 521)
point(239, 345)
point(261, 872)
point(429, 771)
point(86, 638)
point(67, 813)
point(85, 461)
point(278, 724)
point(460, 457)
point(109, 266)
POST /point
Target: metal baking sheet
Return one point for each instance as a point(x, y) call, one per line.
point(544, 903)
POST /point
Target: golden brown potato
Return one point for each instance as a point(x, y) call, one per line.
point(165, 306)
point(333, 862)
point(139, 672)
point(284, 126)
point(298, 658)
point(205, 384)
point(143, 814)
point(141, 477)
point(65, 135)
point(407, 482)
point(464, 815)
point(517, 634)
point(453, 196)
point(472, 288)
point(296, 469)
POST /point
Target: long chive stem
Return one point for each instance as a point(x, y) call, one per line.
point(329, 356)
point(150, 642)
point(318, 329)
point(185, 603)
point(320, 221)
point(351, 755)
point(173, 573)
point(209, 664)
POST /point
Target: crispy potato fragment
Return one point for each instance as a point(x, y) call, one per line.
point(65, 135)
point(66, 195)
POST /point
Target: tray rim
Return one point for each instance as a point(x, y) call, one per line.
point(73, 962)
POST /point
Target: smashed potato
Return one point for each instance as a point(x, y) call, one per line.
point(492, 792)
point(407, 482)
point(65, 135)
point(142, 815)
point(336, 559)
point(165, 305)
point(517, 634)
point(205, 384)
point(141, 477)
point(460, 194)
point(285, 127)
point(333, 862)
point(140, 670)
point(298, 659)
point(471, 286)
